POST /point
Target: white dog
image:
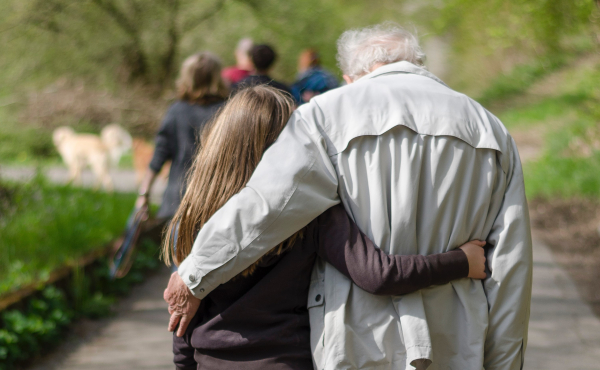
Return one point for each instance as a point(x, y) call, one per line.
point(98, 152)
point(117, 141)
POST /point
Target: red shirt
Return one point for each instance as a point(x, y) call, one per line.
point(234, 74)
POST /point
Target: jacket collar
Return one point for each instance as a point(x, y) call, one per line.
point(400, 67)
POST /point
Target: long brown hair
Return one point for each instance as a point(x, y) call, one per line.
point(200, 79)
point(231, 148)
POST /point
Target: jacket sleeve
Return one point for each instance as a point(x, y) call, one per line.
point(508, 288)
point(341, 243)
point(164, 142)
point(293, 184)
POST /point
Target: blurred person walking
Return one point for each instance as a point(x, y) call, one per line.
point(200, 93)
point(263, 57)
point(414, 163)
point(243, 67)
point(312, 79)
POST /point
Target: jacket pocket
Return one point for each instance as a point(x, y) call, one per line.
point(316, 312)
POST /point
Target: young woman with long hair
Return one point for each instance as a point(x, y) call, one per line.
point(260, 318)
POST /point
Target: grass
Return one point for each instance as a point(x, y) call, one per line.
point(43, 226)
point(561, 173)
point(519, 79)
point(562, 170)
point(542, 112)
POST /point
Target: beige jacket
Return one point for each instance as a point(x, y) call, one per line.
point(418, 166)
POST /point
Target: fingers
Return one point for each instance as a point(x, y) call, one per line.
point(480, 243)
point(175, 317)
point(481, 274)
point(168, 293)
point(185, 321)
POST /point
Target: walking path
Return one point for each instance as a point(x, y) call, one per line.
point(136, 338)
point(564, 334)
point(123, 179)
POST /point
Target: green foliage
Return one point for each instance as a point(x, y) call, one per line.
point(51, 225)
point(490, 37)
point(131, 40)
point(570, 165)
point(544, 111)
point(26, 144)
point(519, 79)
point(42, 323)
point(559, 173)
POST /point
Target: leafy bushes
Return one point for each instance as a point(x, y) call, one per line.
point(43, 319)
point(46, 226)
point(23, 333)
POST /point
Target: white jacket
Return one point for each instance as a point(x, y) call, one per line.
point(415, 164)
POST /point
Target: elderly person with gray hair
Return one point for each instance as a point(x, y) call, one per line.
point(421, 169)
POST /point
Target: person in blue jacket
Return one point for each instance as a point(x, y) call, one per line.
point(312, 78)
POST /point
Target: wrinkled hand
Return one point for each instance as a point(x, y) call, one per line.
point(476, 257)
point(182, 304)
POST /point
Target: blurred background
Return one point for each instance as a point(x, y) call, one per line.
point(86, 64)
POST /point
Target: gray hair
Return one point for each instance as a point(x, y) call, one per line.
point(244, 45)
point(360, 49)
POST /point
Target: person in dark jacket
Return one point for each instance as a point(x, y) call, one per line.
point(263, 57)
point(312, 79)
point(259, 320)
point(201, 92)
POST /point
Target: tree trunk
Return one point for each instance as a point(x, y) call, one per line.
point(168, 59)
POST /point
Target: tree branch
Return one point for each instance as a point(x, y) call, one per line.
point(118, 16)
point(168, 58)
point(190, 24)
point(43, 15)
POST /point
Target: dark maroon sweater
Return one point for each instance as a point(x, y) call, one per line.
point(261, 322)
